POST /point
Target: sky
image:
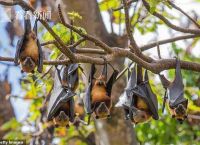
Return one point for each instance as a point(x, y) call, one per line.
point(21, 106)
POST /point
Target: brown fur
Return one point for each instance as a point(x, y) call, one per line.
point(143, 113)
point(62, 122)
point(99, 94)
point(30, 49)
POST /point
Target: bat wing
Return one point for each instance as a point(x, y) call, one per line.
point(87, 98)
point(59, 95)
point(132, 81)
point(110, 82)
point(72, 111)
point(151, 98)
point(18, 50)
point(176, 89)
point(73, 75)
point(40, 60)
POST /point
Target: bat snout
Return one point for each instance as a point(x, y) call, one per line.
point(28, 62)
point(62, 116)
point(101, 83)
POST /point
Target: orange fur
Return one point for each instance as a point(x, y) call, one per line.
point(30, 49)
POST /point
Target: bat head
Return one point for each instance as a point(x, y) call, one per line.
point(180, 113)
point(62, 119)
point(79, 109)
point(102, 111)
point(141, 117)
point(101, 81)
point(28, 64)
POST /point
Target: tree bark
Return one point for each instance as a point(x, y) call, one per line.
point(6, 110)
point(115, 131)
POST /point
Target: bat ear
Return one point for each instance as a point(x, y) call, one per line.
point(87, 98)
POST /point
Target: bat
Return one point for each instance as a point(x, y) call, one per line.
point(79, 112)
point(79, 108)
point(176, 102)
point(29, 52)
point(139, 102)
point(61, 103)
point(98, 94)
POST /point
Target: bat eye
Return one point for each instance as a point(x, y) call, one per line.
point(97, 117)
point(143, 116)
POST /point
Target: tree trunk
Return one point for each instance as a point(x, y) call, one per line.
point(115, 131)
point(6, 110)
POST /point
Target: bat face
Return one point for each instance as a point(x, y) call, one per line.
point(79, 110)
point(141, 117)
point(61, 120)
point(27, 64)
point(179, 112)
point(102, 111)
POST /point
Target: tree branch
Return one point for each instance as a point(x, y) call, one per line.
point(128, 28)
point(179, 9)
point(86, 36)
point(168, 23)
point(161, 42)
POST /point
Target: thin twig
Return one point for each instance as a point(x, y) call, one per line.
point(128, 28)
point(179, 9)
point(168, 23)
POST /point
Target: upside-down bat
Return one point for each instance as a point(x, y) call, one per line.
point(61, 104)
point(29, 52)
point(98, 95)
point(139, 101)
point(175, 92)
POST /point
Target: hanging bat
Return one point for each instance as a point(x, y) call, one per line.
point(98, 95)
point(139, 102)
point(61, 103)
point(79, 108)
point(176, 101)
point(29, 52)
